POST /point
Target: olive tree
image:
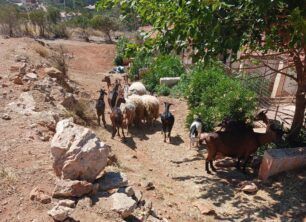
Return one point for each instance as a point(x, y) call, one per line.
point(217, 27)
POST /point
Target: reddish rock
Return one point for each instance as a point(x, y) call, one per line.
point(280, 160)
point(72, 188)
point(204, 208)
point(40, 196)
point(17, 80)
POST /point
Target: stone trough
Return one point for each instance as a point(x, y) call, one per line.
point(280, 160)
point(169, 81)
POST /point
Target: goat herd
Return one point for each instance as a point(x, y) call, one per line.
point(132, 104)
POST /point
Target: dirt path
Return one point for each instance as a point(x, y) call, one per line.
point(176, 171)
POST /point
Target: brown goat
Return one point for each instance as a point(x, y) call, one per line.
point(117, 117)
point(238, 144)
point(108, 81)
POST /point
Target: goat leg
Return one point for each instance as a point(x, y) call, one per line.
point(103, 120)
point(123, 133)
point(98, 120)
point(165, 136)
point(238, 163)
point(212, 166)
point(114, 132)
point(245, 163)
point(207, 167)
point(118, 131)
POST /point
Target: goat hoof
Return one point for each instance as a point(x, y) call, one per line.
point(209, 172)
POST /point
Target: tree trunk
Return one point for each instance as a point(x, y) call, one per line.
point(109, 37)
point(300, 103)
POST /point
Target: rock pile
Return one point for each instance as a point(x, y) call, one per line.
point(79, 157)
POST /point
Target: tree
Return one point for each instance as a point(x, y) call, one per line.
point(37, 17)
point(106, 24)
point(9, 16)
point(219, 27)
point(53, 15)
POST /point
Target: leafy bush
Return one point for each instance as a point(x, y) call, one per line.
point(162, 66)
point(163, 90)
point(118, 60)
point(180, 90)
point(213, 95)
point(141, 60)
point(60, 31)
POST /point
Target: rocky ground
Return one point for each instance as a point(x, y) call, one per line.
point(170, 176)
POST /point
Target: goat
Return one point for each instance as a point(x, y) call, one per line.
point(128, 110)
point(108, 81)
point(167, 120)
point(112, 96)
point(195, 131)
point(116, 117)
point(238, 144)
point(100, 107)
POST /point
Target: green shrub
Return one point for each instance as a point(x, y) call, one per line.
point(60, 31)
point(162, 66)
point(142, 59)
point(163, 90)
point(118, 60)
point(180, 90)
point(213, 95)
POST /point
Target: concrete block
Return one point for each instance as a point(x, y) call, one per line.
point(169, 81)
point(279, 160)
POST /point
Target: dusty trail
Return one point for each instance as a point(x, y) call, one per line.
point(176, 171)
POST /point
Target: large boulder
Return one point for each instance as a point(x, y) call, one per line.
point(77, 152)
point(72, 188)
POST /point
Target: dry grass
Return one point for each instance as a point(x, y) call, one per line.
point(41, 50)
point(7, 175)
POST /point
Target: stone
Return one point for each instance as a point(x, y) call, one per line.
point(153, 219)
point(127, 190)
point(67, 203)
point(122, 204)
point(17, 80)
point(249, 188)
point(40, 196)
point(149, 186)
point(21, 58)
point(54, 73)
point(204, 208)
point(78, 154)
point(6, 116)
point(60, 213)
point(138, 195)
point(30, 76)
point(69, 102)
point(72, 188)
point(85, 211)
point(22, 69)
point(84, 203)
point(112, 180)
point(169, 81)
point(279, 160)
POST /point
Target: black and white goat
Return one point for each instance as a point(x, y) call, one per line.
point(167, 120)
point(195, 131)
